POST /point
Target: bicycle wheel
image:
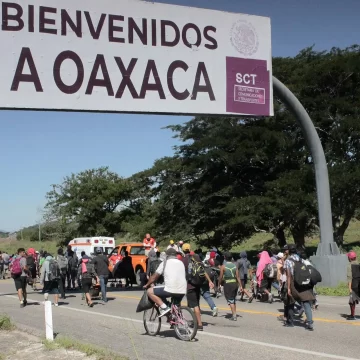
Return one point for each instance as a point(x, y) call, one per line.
point(186, 325)
point(152, 321)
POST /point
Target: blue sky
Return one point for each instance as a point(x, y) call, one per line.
point(38, 149)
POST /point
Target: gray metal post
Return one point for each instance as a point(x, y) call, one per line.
point(328, 260)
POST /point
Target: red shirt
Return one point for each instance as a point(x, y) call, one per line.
point(149, 243)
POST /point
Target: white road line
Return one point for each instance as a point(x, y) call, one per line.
point(246, 341)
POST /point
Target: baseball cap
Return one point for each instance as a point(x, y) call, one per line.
point(181, 242)
point(186, 247)
point(280, 255)
point(351, 255)
point(171, 242)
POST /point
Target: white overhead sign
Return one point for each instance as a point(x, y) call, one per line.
point(133, 56)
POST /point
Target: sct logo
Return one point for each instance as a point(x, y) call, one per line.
point(247, 79)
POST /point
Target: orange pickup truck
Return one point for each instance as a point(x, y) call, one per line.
point(137, 253)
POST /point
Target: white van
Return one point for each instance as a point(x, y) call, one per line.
point(90, 244)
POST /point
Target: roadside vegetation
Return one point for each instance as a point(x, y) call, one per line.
point(6, 324)
point(90, 350)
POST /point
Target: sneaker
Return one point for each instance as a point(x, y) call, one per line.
point(271, 299)
point(25, 302)
point(56, 304)
point(251, 299)
point(288, 324)
point(22, 305)
point(309, 327)
point(215, 311)
point(351, 318)
point(200, 328)
point(233, 318)
point(164, 311)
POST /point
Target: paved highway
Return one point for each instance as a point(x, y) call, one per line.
point(257, 333)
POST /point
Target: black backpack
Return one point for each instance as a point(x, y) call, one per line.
point(30, 262)
point(211, 272)
point(73, 262)
point(154, 265)
point(196, 272)
point(315, 276)
point(305, 276)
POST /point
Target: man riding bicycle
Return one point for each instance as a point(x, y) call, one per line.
point(175, 286)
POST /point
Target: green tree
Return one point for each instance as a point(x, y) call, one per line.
point(92, 200)
point(328, 86)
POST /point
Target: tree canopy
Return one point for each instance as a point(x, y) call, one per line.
point(232, 177)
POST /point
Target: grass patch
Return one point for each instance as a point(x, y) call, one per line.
point(341, 290)
point(5, 323)
point(89, 350)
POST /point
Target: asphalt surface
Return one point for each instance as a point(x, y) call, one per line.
point(257, 333)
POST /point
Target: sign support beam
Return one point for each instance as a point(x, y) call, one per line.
point(328, 258)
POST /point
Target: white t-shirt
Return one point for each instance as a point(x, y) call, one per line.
point(174, 277)
point(175, 247)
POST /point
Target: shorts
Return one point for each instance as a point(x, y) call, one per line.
point(162, 294)
point(193, 297)
point(230, 292)
point(265, 284)
point(244, 282)
point(51, 287)
point(20, 283)
point(86, 285)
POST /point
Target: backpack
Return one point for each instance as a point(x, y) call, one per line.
point(154, 265)
point(16, 267)
point(302, 275)
point(30, 262)
point(63, 263)
point(211, 272)
point(270, 271)
point(73, 262)
point(196, 272)
point(54, 270)
point(315, 276)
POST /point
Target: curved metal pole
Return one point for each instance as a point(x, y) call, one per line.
point(327, 245)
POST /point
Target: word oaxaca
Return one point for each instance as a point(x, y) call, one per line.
point(153, 60)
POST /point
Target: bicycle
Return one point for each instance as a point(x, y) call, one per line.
point(176, 319)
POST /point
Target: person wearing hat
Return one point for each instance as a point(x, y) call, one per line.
point(353, 278)
point(173, 271)
point(172, 245)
